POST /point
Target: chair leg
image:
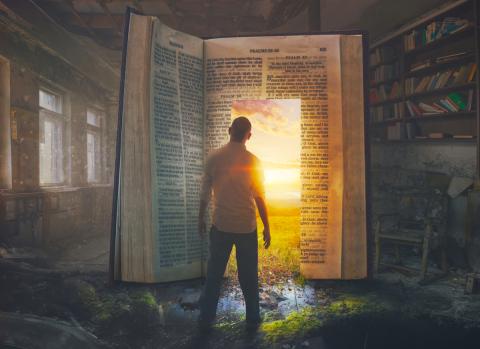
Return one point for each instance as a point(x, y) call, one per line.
point(425, 252)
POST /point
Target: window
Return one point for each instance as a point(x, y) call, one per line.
point(52, 138)
point(94, 145)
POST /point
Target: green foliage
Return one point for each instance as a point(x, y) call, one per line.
point(137, 312)
point(296, 325)
point(282, 260)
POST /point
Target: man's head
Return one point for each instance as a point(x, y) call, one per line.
point(240, 130)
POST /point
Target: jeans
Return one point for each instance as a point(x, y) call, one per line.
point(221, 244)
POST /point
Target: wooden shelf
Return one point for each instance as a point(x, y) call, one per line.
point(442, 90)
point(392, 100)
point(442, 116)
point(378, 83)
point(388, 62)
point(465, 42)
point(427, 140)
point(439, 66)
point(442, 41)
point(429, 117)
point(386, 122)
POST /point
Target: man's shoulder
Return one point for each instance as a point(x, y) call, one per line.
point(253, 157)
point(215, 154)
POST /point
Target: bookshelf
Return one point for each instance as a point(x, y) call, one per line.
point(424, 79)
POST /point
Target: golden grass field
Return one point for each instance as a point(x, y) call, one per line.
point(281, 260)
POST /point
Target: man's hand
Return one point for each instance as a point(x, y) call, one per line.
point(266, 237)
point(202, 228)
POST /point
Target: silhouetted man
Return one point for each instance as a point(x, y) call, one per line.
point(235, 177)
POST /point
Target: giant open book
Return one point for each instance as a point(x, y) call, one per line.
point(176, 99)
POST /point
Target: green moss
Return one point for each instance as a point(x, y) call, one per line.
point(132, 313)
point(87, 295)
point(144, 298)
point(350, 306)
point(302, 323)
point(295, 325)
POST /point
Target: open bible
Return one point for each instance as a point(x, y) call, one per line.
point(176, 99)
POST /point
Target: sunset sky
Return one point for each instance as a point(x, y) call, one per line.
point(276, 141)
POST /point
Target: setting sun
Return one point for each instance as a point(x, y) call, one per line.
point(276, 141)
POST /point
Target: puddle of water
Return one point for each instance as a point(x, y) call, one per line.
point(283, 298)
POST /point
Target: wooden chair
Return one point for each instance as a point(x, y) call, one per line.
point(419, 221)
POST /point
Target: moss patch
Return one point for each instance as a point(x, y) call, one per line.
point(306, 322)
point(297, 324)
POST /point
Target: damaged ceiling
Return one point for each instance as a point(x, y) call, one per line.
point(102, 20)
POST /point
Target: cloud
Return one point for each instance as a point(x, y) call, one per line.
point(281, 165)
point(270, 116)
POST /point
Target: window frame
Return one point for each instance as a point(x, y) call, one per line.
point(63, 119)
point(99, 132)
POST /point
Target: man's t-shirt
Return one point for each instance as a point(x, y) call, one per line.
point(236, 178)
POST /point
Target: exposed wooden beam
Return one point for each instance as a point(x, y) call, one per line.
point(79, 18)
point(28, 19)
point(116, 26)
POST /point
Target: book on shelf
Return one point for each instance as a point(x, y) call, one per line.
point(385, 92)
point(463, 136)
point(447, 78)
point(469, 100)
point(410, 130)
point(382, 54)
point(415, 66)
point(396, 131)
point(177, 96)
point(385, 72)
point(438, 135)
point(451, 103)
point(451, 57)
point(386, 112)
point(433, 31)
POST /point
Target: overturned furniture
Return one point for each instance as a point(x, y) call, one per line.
point(418, 218)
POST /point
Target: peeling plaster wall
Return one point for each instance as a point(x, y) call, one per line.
point(57, 216)
point(453, 160)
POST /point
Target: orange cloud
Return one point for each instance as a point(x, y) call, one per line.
point(269, 116)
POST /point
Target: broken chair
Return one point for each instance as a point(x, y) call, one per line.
point(419, 221)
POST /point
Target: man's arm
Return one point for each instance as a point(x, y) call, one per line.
point(262, 211)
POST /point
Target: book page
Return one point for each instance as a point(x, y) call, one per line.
point(134, 228)
point(354, 245)
point(177, 152)
point(288, 68)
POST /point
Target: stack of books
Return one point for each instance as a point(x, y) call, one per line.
point(396, 131)
point(415, 66)
point(385, 92)
point(451, 77)
point(452, 103)
point(382, 54)
point(385, 72)
point(434, 31)
point(387, 112)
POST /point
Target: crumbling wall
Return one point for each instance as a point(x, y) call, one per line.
point(453, 160)
point(53, 217)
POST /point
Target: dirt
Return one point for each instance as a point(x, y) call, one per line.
point(296, 315)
